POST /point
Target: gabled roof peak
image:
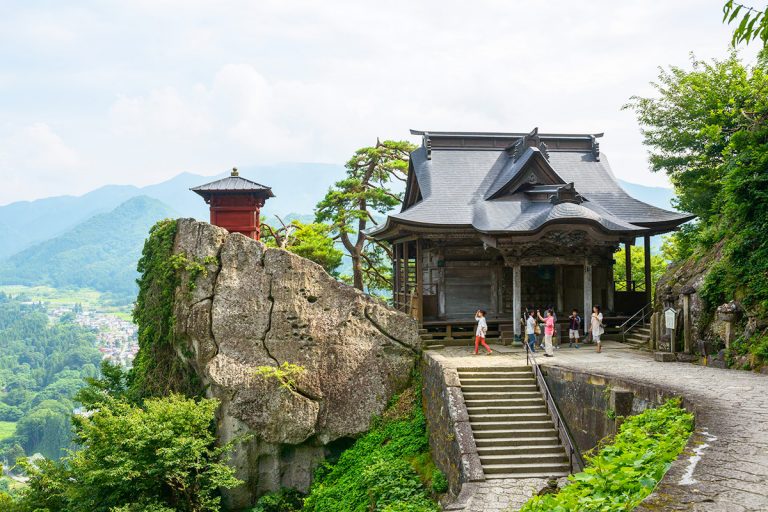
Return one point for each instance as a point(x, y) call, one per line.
point(531, 140)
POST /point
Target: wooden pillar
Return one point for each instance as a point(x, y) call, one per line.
point(517, 308)
point(396, 275)
point(647, 265)
point(559, 285)
point(441, 282)
point(496, 279)
point(404, 287)
point(628, 264)
point(419, 267)
point(587, 291)
point(609, 304)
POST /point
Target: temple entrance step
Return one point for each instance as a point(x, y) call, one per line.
point(639, 337)
point(513, 431)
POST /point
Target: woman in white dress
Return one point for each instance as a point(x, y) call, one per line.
point(596, 326)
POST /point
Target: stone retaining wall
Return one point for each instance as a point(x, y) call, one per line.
point(590, 404)
point(450, 434)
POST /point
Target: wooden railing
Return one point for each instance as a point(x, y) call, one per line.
point(575, 460)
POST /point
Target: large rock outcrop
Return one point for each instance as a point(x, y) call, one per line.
point(257, 306)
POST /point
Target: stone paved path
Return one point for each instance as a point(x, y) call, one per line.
point(502, 495)
point(731, 417)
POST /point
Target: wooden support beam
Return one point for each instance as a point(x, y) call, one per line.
point(647, 265)
point(419, 266)
point(628, 264)
point(587, 290)
point(517, 308)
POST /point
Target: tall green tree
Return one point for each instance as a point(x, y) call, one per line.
point(158, 456)
point(312, 241)
point(751, 23)
point(350, 207)
point(637, 257)
point(707, 129)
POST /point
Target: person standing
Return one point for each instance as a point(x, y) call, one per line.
point(574, 324)
point(482, 329)
point(549, 331)
point(596, 326)
point(530, 331)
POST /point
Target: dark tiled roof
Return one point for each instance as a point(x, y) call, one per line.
point(456, 184)
point(233, 184)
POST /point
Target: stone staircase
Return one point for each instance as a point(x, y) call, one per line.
point(514, 433)
point(639, 337)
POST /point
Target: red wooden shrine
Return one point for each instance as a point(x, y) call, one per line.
point(235, 203)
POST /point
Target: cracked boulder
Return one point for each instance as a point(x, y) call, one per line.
point(263, 307)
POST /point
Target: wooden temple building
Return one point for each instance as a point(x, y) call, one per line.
point(501, 221)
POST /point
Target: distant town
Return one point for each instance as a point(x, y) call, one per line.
point(117, 338)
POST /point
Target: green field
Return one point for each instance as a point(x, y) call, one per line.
point(7, 429)
point(91, 300)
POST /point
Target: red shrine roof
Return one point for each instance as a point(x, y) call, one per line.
point(233, 183)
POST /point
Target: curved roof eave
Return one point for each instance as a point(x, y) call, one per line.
point(389, 225)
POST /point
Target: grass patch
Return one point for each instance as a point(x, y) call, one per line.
point(620, 475)
point(389, 469)
point(7, 429)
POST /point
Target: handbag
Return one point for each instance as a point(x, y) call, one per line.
point(536, 329)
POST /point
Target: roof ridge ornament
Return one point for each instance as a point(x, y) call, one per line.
point(531, 140)
point(566, 194)
point(595, 148)
point(544, 150)
point(235, 172)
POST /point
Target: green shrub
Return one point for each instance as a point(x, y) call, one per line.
point(439, 482)
point(623, 473)
point(284, 500)
point(378, 472)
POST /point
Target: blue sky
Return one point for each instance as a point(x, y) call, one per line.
point(94, 93)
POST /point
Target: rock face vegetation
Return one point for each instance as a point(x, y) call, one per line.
point(235, 307)
point(707, 130)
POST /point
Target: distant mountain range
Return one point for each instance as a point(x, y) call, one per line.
point(297, 186)
point(100, 252)
point(94, 240)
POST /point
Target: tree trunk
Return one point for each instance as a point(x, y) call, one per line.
point(357, 271)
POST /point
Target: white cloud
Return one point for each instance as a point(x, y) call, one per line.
point(35, 157)
point(146, 89)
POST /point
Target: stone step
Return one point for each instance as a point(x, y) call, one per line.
point(534, 400)
point(496, 369)
point(519, 441)
point(495, 375)
point(519, 409)
point(434, 347)
point(521, 449)
point(496, 426)
point(525, 458)
point(521, 432)
point(642, 330)
point(508, 476)
point(509, 417)
point(500, 388)
point(423, 331)
point(466, 381)
point(511, 469)
point(495, 395)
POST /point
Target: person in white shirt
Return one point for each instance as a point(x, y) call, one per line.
point(530, 330)
point(596, 326)
point(482, 329)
